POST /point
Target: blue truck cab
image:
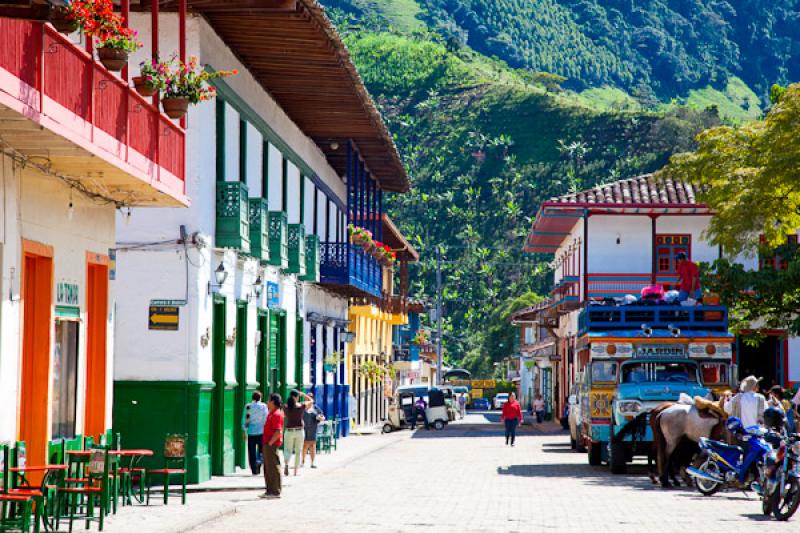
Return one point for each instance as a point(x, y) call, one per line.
point(635, 357)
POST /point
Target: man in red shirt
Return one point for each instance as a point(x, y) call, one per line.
point(273, 438)
point(512, 416)
point(688, 279)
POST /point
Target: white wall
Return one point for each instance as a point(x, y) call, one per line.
point(633, 254)
point(35, 207)
point(322, 221)
point(255, 149)
point(275, 178)
point(293, 193)
point(308, 205)
point(231, 144)
point(702, 250)
point(794, 359)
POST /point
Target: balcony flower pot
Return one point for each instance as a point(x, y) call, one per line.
point(144, 87)
point(114, 59)
point(175, 106)
point(62, 22)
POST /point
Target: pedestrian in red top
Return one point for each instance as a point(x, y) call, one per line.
point(512, 416)
point(273, 438)
point(688, 279)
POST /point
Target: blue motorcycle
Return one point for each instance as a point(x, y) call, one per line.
point(722, 465)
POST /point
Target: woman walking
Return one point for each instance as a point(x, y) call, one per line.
point(293, 436)
point(512, 416)
point(311, 419)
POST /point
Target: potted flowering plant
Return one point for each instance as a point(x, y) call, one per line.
point(187, 83)
point(66, 16)
point(331, 362)
point(151, 77)
point(359, 236)
point(114, 45)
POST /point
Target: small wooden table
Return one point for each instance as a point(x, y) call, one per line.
point(133, 456)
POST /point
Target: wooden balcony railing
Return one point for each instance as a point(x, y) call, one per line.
point(47, 78)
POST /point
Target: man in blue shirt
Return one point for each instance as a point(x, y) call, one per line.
point(253, 420)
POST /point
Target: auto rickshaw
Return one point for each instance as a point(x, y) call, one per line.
point(401, 409)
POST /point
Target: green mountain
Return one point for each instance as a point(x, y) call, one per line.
point(486, 143)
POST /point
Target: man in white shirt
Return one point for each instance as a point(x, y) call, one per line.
point(748, 405)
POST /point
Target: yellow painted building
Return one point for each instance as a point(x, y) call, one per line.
point(372, 321)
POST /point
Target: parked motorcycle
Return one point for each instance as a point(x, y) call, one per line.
point(782, 488)
point(722, 465)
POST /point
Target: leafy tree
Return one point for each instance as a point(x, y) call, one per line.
point(749, 177)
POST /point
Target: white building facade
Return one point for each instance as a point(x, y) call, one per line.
point(224, 298)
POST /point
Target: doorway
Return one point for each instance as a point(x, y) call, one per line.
point(37, 298)
point(222, 446)
point(96, 339)
point(262, 368)
point(241, 375)
point(762, 361)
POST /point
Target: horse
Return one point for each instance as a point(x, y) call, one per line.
point(677, 428)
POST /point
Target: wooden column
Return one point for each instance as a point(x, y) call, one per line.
point(125, 11)
point(182, 41)
point(154, 37)
point(404, 279)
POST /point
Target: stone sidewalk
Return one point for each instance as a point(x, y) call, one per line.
point(221, 496)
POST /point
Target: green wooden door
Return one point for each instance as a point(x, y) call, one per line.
point(274, 341)
point(218, 401)
point(241, 378)
point(298, 354)
point(262, 368)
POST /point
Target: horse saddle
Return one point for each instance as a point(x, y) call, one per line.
point(709, 408)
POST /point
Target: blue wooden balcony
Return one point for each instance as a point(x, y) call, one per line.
point(349, 270)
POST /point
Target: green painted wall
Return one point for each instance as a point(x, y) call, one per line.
point(231, 429)
point(146, 411)
point(242, 396)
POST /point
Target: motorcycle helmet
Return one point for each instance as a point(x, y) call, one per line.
point(774, 418)
point(734, 425)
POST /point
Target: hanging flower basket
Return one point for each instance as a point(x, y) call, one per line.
point(144, 87)
point(64, 21)
point(175, 106)
point(114, 59)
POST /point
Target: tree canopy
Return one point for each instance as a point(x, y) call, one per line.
point(749, 176)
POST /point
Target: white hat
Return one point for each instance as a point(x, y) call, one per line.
point(749, 384)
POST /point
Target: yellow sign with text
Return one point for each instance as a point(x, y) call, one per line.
point(476, 393)
point(483, 384)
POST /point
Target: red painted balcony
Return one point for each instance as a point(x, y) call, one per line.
point(57, 103)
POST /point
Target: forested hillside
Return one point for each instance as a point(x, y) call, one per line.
point(485, 144)
point(659, 48)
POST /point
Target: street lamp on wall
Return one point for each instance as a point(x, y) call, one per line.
point(258, 288)
point(220, 275)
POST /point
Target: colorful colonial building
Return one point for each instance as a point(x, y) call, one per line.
point(249, 288)
point(77, 145)
point(615, 240)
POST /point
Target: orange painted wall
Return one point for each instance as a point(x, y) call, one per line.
point(37, 319)
point(96, 337)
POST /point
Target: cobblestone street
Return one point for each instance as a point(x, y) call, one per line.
point(462, 479)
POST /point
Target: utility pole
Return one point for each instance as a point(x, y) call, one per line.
point(439, 315)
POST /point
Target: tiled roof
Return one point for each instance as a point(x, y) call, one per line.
point(644, 189)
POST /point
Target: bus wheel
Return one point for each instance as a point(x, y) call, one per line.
point(617, 457)
point(594, 453)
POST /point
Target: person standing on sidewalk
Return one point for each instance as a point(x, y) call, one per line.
point(311, 419)
point(293, 436)
point(253, 420)
point(462, 405)
point(512, 416)
point(538, 408)
point(273, 438)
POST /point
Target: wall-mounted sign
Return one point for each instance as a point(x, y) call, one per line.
point(164, 317)
point(112, 264)
point(67, 294)
point(168, 302)
point(483, 383)
point(273, 295)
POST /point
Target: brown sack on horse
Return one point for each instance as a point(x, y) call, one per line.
point(675, 425)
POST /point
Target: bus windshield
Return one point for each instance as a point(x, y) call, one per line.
point(604, 372)
point(659, 371)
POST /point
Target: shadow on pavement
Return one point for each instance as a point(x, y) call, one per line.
point(596, 475)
